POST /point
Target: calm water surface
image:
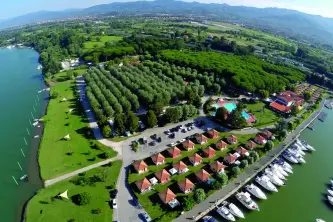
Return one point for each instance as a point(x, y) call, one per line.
point(19, 84)
point(304, 198)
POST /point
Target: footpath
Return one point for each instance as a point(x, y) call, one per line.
point(219, 196)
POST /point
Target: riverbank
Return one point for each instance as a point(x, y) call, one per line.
point(210, 203)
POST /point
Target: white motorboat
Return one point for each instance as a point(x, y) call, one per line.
point(225, 213)
point(275, 180)
point(300, 146)
point(255, 191)
point(286, 168)
point(289, 157)
point(330, 192)
point(284, 165)
point(209, 219)
point(308, 146)
point(276, 172)
point(297, 156)
point(320, 220)
point(280, 168)
point(330, 199)
point(245, 199)
point(332, 182)
point(297, 149)
point(234, 210)
point(266, 183)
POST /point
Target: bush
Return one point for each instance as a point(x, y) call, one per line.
point(235, 171)
point(269, 145)
point(107, 131)
point(54, 95)
point(81, 181)
point(96, 211)
point(82, 199)
point(223, 179)
point(250, 160)
point(216, 185)
point(244, 164)
point(199, 195)
point(105, 155)
point(188, 203)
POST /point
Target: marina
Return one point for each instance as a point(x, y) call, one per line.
point(322, 116)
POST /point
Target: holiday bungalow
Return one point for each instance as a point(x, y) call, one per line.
point(250, 145)
point(285, 100)
point(140, 166)
point(158, 159)
point(232, 139)
point(143, 185)
point(209, 152)
point(195, 159)
point(202, 175)
point(188, 145)
point(260, 139)
point(201, 139)
point(186, 186)
point(217, 167)
point(213, 134)
point(221, 145)
point(267, 135)
point(230, 159)
point(242, 152)
point(179, 167)
point(174, 152)
point(163, 176)
point(168, 197)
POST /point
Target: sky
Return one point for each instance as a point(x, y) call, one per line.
point(13, 8)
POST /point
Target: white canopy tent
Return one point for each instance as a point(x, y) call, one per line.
point(64, 194)
point(67, 137)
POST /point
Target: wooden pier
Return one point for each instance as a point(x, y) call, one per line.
point(322, 116)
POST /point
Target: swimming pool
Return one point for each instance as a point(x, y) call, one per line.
point(230, 107)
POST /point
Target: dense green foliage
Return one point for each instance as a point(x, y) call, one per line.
point(246, 72)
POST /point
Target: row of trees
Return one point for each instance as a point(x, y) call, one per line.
point(245, 72)
point(180, 113)
point(230, 46)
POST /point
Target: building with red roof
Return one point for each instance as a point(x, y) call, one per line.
point(285, 100)
point(143, 185)
point(186, 186)
point(213, 134)
point(250, 145)
point(158, 159)
point(242, 151)
point(230, 159)
point(217, 167)
point(174, 152)
point(221, 145)
point(163, 176)
point(201, 139)
point(232, 139)
point(167, 196)
point(140, 166)
point(209, 152)
point(202, 175)
point(260, 139)
point(188, 145)
point(267, 134)
point(195, 159)
point(180, 167)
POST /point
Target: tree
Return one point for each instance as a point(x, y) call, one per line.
point(70, 74)
point(244, 164)
point(199, 195)
point(83, 198)
point(254, 155)
point(132, 122)
point(222, 178)
point(307, 96)
point(250, 159)
point(264, 93)
point(151, 119)
point(188, 203)
point(119, 124)
point(207, 105)
point(221, 114)
point(269, 145)
point(283, 133)
point(216, 185)
point(54, 95)
point(236, 120)
point(96, 211)
point(294, 110)
point(172, 115)
point(107, 131)
point(281, 125)
point(235, 171)
point(216, 88)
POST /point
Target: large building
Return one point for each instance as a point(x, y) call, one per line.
point(285, 100)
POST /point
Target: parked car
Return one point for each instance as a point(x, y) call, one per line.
point(182, 140)
point(114, 204)
point(113, 193)
point(172, 144)
point(154, 136)
point(142, 126)
point(159, 139)
point(189, 129)
point(152, 143)
point(172, 135)
point(127, 133)
point(146, 216)
point(184, 130)
point(144, 140)
point(167, 132)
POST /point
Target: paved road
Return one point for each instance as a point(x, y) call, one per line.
point(76, 172)
point(204, 207)
point(91, 118)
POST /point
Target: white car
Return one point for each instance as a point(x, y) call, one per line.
point(114, 204)
point(172, 144)
point(182, 140)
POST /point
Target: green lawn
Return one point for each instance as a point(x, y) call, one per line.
point(56, 156)
point(44, 207)
point(150, 201)
point(263, 115)
point(104, 39)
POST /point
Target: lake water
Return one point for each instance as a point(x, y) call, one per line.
point(19, 84)
point(304, 198)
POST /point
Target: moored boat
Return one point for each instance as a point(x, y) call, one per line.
point(280, 168)
point(255, 191)
point(330, 199)
point(320, 220)
point(277, 172)
point(225, 213)
point(266, 183)
point(275, 180)
point(330, 192)
point(245, 199)
point(308, 146)
point(289, 157)
point(234, 210)
point(297, 149)
point(209, 219)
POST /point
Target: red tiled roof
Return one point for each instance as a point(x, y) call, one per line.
point(174, 152)
point(286, 98)
point(233, 138)
point(221, 144)
point(241, 150)
point(140, 165)
point(201, 137)
point(180, 166)
point(267, 134)
point(209, 152)
point(162, 175)
point(230, 158)
point(280, 107)
point(188, 144)
point(167, 195)
point(158, 158)
point(143, 184)
point(260, 138)
point(217, 165)
point(213, 133)
point(202, 175)
point(186, 184)
point(195, 158)
point(251, 144)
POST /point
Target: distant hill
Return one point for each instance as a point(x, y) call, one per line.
point(283, 21)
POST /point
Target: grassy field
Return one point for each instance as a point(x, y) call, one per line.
point(150, 201)
point(45, 207)
point(56, 156)
point(104, 39)
point(263, 115)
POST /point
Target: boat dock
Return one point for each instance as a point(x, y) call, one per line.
point(322, 116)
point(311, 126)
point(328, 105)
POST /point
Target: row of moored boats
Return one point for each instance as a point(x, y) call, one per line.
point(272, 177)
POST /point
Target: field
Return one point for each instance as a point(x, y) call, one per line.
point(44, 206)
point(263, 115)
point(56, 156)
point(101, 43)
point(150, 200)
